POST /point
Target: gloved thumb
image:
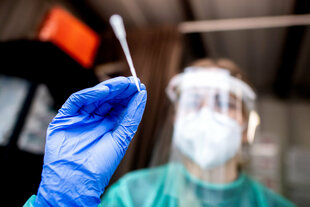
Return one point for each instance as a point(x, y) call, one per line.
point(128, 126)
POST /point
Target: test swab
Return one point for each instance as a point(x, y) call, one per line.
point(117, 24)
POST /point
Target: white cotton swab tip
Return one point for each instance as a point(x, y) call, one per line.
point(117, 24)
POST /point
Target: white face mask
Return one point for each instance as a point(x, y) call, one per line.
point(208, 138)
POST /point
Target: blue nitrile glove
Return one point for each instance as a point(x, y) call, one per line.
point(86, 141)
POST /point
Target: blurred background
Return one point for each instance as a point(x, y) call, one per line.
point(52, 48)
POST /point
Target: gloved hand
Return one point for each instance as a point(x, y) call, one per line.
point(86, 141)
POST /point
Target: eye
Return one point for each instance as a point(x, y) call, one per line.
point(232, 104)
point(193, 101)
point(222, 102)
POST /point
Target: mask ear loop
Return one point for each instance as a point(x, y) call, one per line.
point(254, 121)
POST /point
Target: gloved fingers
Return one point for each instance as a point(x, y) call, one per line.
point(118, 103)
point(90, 108)
point(103, 109)
point(123, 99)
point(129, 123)
point(119, 85)
point(117, 92)
point(84, 97)
point(103, 91)
point(122, 94)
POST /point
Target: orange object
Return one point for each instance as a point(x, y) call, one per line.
point(71, 35)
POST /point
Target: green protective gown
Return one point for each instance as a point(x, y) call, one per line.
point(166, 186)
point(172, 185)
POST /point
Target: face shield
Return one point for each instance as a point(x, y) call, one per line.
point(215, 113)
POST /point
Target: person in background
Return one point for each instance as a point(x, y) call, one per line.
point(214, 116)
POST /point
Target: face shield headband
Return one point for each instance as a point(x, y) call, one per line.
point(217, 78)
